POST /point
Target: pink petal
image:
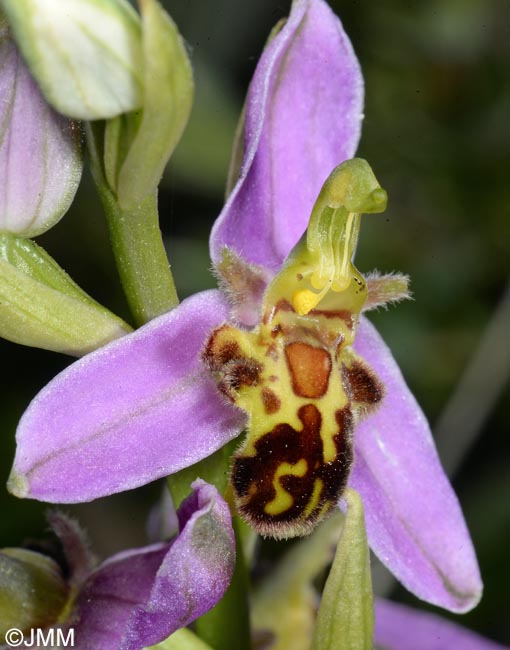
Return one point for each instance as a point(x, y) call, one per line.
point(414, 521)
point(398, 627)
point(138, 409)
point(304, 111)
point(140, 597)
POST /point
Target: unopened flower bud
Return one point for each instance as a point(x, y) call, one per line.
point(33, 591)
point(40, 156)
point(86, 56)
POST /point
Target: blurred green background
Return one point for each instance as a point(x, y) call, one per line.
point(437, 135)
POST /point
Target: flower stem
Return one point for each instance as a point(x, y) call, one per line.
point(136, 241)
point(140, 256)
point(227, 626)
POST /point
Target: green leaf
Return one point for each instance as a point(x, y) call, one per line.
point(86, 55)
point(345, 620)
point(42, 307)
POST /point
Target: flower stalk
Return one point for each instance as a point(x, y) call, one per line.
point(140, 255)
point(137, 244)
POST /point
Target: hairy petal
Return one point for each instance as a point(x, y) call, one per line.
point(303, 117)
point(139, 597)
point(138, 409)
point(398, 627)
point(414, 521)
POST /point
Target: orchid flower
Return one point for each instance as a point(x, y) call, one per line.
point(134, 599)
point(147, 405)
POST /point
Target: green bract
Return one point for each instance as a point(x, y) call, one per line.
point(41, 306)
point(137, 146)
point(346, 614)
point(85, 54)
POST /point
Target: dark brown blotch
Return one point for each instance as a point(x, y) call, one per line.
point(363, 385)
point(252, 476)
point(218, 353)
point(238, 373)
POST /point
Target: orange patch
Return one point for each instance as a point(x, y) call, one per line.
point(309, 369)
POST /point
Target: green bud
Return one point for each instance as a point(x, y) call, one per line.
point(346, 614)
point(41, 306)
point(137, 146)
point(33, 591)
point(86, 56)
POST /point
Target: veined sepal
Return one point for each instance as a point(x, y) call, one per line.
point(41, 306)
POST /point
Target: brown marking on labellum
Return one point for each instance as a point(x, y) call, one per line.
point(271, 401)
point(239, 373)
point(252, 476)
point(232, 368)
point(273, 378)
point(281, 305)
point(342, 314)
point(276, 330)
point(362, 383)
point(272, 352)
point(217, 353)
point(309, 369)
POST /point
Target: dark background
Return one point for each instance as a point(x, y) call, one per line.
point(437, 135)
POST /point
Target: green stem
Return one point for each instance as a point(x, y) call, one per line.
point(140, 256)
point(227, 626)
point(136, 241)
